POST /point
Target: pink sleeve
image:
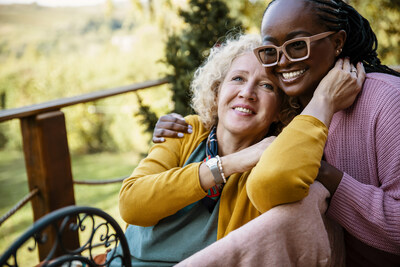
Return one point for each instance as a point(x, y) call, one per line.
point(371, 212)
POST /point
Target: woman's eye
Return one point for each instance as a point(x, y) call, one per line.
point(298, 45)
point(267, 86)
point(237, 78)
point(270, 51)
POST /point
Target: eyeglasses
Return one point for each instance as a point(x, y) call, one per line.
point(296, 49)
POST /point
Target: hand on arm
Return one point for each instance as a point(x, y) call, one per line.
point(245, 159)
point(238, 162)
point(170, 125)
point(329, 176)
point(336, 91)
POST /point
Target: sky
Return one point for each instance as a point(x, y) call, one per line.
point(58, 2)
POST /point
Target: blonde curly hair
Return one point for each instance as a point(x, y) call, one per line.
point(210, 75)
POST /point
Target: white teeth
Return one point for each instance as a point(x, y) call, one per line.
point(245, 110)
point(291, 75)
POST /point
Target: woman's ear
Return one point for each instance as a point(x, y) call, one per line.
point(339, 39)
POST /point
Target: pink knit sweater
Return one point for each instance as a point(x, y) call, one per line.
point(364, 143)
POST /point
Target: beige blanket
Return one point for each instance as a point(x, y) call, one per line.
point(296, 234)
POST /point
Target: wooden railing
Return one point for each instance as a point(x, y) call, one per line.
point(46, 152)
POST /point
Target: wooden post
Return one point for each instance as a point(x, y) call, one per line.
point(48, 166)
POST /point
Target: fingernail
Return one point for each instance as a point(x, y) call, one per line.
point(190, 126)
point(162, 139)
point(180, 134)
point(190, 130)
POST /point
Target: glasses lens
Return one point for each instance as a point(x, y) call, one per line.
point(268, 55)
point(297, 49)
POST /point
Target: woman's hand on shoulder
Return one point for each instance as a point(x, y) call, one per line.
point(170, 125)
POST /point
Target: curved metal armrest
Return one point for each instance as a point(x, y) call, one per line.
point(96, 229)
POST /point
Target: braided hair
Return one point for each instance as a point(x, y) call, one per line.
point(361, 42)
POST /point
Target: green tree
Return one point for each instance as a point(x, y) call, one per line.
point(249, 12)
point(146, 116)
point(206, 22)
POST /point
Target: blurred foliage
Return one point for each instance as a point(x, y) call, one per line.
point(384, 17)
point(206, 22)
point(248, 12)
point(48, 53)
point(94, 131)
point(147, 117)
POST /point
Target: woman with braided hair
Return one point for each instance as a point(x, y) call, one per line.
point(302, 39)
point(362, 167)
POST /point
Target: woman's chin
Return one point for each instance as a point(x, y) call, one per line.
point(299, 89)
point(242, 130)
point(293, 90)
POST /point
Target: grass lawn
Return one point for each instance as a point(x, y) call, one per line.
point(100, 166)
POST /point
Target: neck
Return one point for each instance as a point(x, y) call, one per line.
point(304, 100)
point(229, 143)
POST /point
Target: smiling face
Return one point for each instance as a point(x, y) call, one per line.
point(248, 101)
point(288, 19)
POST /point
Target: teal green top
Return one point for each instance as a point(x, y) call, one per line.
point(176, 237)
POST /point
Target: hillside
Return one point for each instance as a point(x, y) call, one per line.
point(48, 53)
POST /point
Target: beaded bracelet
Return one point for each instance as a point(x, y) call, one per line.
point(221, 170)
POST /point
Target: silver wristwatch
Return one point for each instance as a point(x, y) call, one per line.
point(213, 165)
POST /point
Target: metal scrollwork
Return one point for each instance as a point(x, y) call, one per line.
point(97, 230)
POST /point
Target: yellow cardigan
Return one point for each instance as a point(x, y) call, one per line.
point(160, 186)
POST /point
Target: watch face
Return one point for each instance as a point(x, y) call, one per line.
point(211, 162)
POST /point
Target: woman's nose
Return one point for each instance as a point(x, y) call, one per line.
point(282, 59)
point(248, 91)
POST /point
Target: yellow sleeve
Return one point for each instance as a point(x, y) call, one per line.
point(160, 186)
point(289, 165)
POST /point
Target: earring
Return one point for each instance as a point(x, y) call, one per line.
point(338, 51)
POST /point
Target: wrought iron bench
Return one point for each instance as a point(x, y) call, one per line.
point(97, 230)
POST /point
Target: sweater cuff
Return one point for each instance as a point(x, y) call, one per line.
point(341, 204)
point(199, 190)
point(312, 120)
